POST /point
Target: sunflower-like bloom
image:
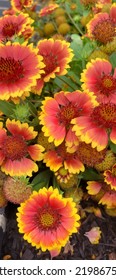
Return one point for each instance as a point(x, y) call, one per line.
point(58, 112)
point(97, 127)
point(58, 160)
point(19, 5)
point(47, 220)
point(103, 193)
point(110, 177)
point(16, 156)
point(12, 25)
point(102, 27)
point(57, 55)
point(49, 9)
point(98, 77)
point(20, 66)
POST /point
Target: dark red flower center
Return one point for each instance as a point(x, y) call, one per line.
point(88, 155)
point(104, 115)
point(51, 63)
point(11, 70)
point(68, 112)
point(107, 85)
point(9, 29)
point(14, 147)
point(48, 218)
point(104, 31)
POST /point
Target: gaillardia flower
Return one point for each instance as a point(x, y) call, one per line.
point(57, 113)
point(58, 158)
point(16, 156)
point(57, 55)
point(97, 127)
point(103, 193)
point(47, 220)
point(13, 25)
point(98, 77)
point(20, 66)
point(19, 5)
point(110, 177)
point(102, 27)
point(48, 10)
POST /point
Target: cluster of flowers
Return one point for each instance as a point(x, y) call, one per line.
point(57, 109)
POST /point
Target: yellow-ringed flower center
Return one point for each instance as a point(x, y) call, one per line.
point(67, 113)
point(9, 29)
point(104, 115)
point(104, 31)
point(48, 218)
point(14, 148)
point(107, 85)
point(88, 155)
point(11, 70)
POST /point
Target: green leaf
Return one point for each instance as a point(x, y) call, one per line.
point(41, 180)
point(76, 45)
point(113, 147)
point(113, 59)
point(90, 175)
point(6, 107)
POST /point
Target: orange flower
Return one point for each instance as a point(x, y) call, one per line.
point(59, 157)
point(110, 177)
point(58, 112)
point(16, 156)
point(56, 55)
point(97, 127)
point(20, 66)
point(48, 10)
point(19, 5)
point(47, 220)
point(102, 26)
point(98, 77)
point(12, 25)
point(106, 196)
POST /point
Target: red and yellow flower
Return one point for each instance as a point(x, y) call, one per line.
point(97, 127)
point(48, 10)
point(57, 55)
point(19, 5)
point(47, 220)
point(58, 112)
point(16, 155)
point(58, 158)
point(98, 77)
point(102, 27)
point(20, 66)
point(12, 25)
point(110, 177)
point(103, 192)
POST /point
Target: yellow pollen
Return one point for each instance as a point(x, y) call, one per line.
point(107, 82)
point(47, 219)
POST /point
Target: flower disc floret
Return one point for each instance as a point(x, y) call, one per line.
point(47, 220)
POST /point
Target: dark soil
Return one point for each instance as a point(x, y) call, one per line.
point(16, 248)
